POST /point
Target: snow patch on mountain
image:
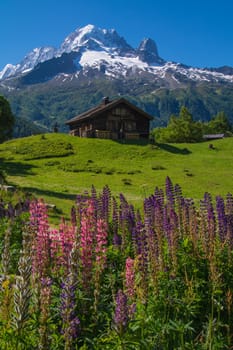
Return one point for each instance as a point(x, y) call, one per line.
point(96, 59)
point(8, 70)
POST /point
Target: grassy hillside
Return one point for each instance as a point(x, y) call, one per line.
point(58, 167)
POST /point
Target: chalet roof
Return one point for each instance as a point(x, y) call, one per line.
point(94, 112)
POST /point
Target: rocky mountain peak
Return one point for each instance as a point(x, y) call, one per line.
point(148, 52)
point(37, 55)
point(93, 38)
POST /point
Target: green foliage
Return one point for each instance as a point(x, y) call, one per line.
point(25, 127)
point(180, 129)
point(49, 103)
point(219, 124)
point(184, 129)
point(6, 120)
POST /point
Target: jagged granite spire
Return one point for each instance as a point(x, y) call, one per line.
point(148, 52)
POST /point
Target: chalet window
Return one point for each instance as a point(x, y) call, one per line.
point(122, 112)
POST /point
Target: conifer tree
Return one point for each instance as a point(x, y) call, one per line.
point(6, 120)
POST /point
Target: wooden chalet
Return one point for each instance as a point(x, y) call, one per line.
point(117, 119)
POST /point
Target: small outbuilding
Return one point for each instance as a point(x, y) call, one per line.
point(117, 119)
point(213, 136)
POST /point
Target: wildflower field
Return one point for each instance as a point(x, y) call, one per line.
point(113, 277)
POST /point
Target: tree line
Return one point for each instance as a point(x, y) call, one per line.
point(181, 128)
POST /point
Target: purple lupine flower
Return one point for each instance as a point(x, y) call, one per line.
point(115, 223)
point(167, 225)
point(131, 218)
point(26, 204)
point(159, 196)
point(178, 192)
point(105, 203)
point(222, 219)
point(70, 321)
point(93, 193)
point(123, 206)
point(170, 191)
point(229, 213)
point(117, 239)
point(192, 224)
point(230, 229)
point(125, 213)
point(141, 248)
point(139, 236)
point(121, 316)
point(151, 235)
point(148, 207)
point(210, 215)
point(208, 224)
point(10, 211)
point(171, 231)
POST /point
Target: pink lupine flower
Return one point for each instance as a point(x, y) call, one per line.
point(88, 228)
point(129, 277)
point(61, 243)
point(67, 237)
point(45, 300)
point(41, 246)
point(55, 243)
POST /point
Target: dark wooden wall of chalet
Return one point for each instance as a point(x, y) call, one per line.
point(99, 123)
point(142, 123)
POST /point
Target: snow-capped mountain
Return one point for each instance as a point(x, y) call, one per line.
point(96, 39)
point(92, 63)
point(33, 58)
point(91, 50)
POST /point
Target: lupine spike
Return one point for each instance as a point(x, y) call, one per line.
point(45, 301)
point(222, 219)
point(70, 321)
point(23, 291)
point(129, 278)
point(5, 263)
point(88, 228)
point(121, 317)
point(170, 191)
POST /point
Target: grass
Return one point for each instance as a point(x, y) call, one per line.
point(58, 167)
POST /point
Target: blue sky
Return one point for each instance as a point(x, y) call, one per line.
point(193, 32)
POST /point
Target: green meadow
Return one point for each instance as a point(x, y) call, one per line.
point(58, 167)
